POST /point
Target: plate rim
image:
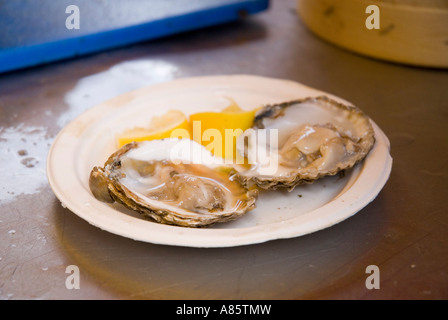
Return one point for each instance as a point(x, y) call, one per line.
point(217, 238)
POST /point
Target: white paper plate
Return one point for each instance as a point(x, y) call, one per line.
point(90, 139)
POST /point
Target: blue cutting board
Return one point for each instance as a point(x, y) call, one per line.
point(34, 32)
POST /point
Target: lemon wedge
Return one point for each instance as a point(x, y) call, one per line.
point(173, 124)
point(218, 131)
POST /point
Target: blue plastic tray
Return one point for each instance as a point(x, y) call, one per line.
point(34, 32)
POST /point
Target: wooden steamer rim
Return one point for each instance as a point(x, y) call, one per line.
point(413, 32)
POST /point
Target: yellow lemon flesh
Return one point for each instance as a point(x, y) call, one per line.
point(218, 131)
point(173, 124)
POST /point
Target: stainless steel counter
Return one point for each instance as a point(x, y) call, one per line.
point(403, 232)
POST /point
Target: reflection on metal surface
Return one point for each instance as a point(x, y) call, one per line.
point(24, 149)
point(121, 78)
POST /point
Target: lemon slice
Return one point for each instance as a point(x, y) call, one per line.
point(173, 124)
point(218, 131)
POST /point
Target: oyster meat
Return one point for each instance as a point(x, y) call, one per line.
point(172, 181)
point(303, 140)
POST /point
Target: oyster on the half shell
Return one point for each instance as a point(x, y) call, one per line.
point(172, 181)
point(304, 140)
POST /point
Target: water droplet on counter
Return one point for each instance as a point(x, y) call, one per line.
point(401, 139)
point(435, 174)
point(22, 153)
point(29, 162)
point(12, 231)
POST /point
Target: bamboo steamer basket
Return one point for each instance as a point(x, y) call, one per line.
point(412, 32)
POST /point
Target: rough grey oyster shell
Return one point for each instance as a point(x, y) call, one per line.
point(317, 137)
point(189, 195)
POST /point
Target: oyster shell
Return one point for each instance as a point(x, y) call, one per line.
point(304, 140)
point(189, 190)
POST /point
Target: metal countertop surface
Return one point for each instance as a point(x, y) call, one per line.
point(404, 231)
